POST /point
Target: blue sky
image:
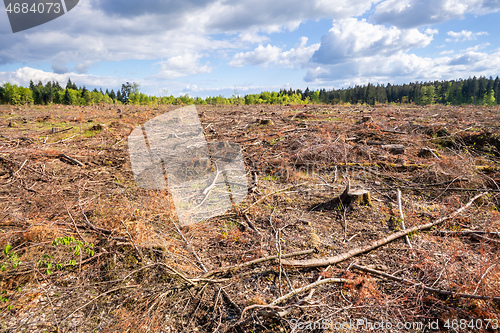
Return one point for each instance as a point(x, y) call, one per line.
point(211, 47)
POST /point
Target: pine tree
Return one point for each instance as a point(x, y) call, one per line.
point(68, 100)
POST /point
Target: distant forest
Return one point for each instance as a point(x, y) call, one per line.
point(478, 91)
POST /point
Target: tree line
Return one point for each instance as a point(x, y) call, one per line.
point(478, 91)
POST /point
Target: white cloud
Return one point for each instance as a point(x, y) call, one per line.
point(478, 47)
point(252, 37)
point(262, 55)
point(447, 52)
point(192, 36)
point(265, 55)
point(403, 68)
point(272, 16)
point(107, 30)
point(182, 65)
point(350, 38)
point(23, 75)
point(415, 13)
point(464, 35)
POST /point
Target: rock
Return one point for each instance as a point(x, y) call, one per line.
point(395, 149)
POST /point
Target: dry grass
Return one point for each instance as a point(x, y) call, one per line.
point(144, 285)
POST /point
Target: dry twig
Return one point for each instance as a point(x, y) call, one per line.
point(421, 285)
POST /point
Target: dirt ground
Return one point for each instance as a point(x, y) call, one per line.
point(84, 249)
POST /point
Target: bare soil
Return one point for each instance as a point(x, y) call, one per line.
point(144, 274)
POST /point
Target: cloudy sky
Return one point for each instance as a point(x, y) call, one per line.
point(212, 47)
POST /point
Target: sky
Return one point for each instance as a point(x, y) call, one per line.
point(225, 47)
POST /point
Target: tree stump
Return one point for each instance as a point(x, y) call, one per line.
point(345, 201)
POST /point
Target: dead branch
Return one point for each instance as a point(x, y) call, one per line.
point(271, 194)
point(467, 232)
point(70, 160)
point(88, 223)
point(400, 206)
point(293, 293)
point(421, 285)
point(258, 261)
point(132, 240)
point(95, 298)
point(250, 224)
point(307, 298)
point(190, 247)
point(60, 131)
point(356, 251)
point(486, 239)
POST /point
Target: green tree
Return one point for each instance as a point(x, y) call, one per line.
point(71, 85)
point(489, 98)
point(127, 90)
point(25, 95)
point(427, 95)
point(70, 97)
point(315, 97)
point(10, 94)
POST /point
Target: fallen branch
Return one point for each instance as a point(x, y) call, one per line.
point(270, 194)
point(60, 131)
point(95, 298)
point(250, 224)
point(133, 243)
point(190, 247)
point(400, 206)
point(410, 167)
point(70, 160)
point(293, 293)
point(258, 261)
point(287, 311)
point(467, 232)
point(89, 224)
point(486, 239)
point(356, 251)
point(418, 284)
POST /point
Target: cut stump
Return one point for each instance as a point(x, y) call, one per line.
point(347, 199)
